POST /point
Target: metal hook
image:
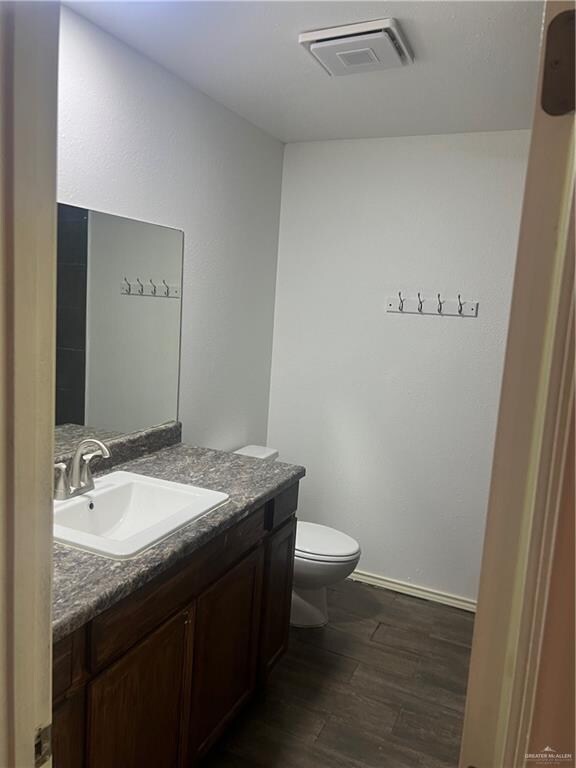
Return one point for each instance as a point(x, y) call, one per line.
point(419, 302)
point(439, 305)
point(140, 286)
point(460, 305)
point(128, 286)
point(167, 292)
point(153, 287)
point(401, 304)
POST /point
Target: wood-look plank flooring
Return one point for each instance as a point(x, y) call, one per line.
point(382, 686)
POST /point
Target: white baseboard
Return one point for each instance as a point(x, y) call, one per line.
point(434, 595)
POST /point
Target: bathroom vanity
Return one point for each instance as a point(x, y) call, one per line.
point(155, 655)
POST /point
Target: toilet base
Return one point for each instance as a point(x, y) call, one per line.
point(309, 608)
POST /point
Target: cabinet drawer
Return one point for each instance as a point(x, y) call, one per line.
point(123, 625)
point(278, 510)
point(68, 663)
point(62, 666)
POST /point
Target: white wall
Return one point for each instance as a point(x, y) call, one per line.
point(137, 142)
point(133, 342)
point(394, 416)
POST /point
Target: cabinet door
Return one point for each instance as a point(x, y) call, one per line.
point(278, 575)
point(68, 732)
point(225, 650)
point(135, 706)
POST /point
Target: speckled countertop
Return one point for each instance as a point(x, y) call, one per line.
point(86, 584)
point(123, 446)
point(67, 437)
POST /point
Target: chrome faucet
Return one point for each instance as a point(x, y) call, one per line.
point(78, 479)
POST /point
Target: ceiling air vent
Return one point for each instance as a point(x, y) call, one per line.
point(356, 48)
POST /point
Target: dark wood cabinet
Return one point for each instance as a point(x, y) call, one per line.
point(154, 680)
point(69, 695)
point(135, 706)
point(225, 656)
point(277, 597)
point(68, 724)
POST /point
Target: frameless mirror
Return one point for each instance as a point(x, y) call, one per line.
point(118, 321)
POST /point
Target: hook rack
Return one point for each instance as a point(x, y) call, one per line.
point(438, 306)
point(159, 289)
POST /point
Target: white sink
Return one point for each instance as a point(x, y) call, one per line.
point(126, 513)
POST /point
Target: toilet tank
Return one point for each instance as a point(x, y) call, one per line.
point(258, 452)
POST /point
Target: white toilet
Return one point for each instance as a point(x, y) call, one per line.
point(323, 556)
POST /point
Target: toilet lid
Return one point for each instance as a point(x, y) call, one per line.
point(318, 542)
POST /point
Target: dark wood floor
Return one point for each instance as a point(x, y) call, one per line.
point(382, 686)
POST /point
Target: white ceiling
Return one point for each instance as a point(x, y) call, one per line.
point(475, 63)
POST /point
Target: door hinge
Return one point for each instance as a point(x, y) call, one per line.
point(43, 745)
point(558, 76)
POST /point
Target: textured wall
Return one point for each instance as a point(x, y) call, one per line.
point(394, 417)
point(136, 141)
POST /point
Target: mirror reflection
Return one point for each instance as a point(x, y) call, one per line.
point(118, 320)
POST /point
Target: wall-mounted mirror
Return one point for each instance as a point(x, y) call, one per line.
point(118, 321)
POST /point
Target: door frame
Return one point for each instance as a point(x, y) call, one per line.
point(530, 453)
point(531, 439)
point(28, 94)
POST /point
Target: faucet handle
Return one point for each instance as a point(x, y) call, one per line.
point(61, 481)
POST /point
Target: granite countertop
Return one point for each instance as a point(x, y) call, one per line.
point(123, 446)
point(67, 437)
point(86, 584)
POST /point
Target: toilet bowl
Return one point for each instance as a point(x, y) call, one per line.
point(323, 557)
